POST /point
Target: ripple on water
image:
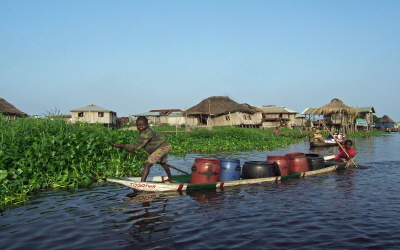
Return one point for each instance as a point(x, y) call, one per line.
point(352, 209)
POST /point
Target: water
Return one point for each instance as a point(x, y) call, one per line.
point(353, 209)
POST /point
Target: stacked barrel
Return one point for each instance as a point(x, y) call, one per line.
point(209, 170)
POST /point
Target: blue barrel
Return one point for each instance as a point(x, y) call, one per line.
point(230, 169)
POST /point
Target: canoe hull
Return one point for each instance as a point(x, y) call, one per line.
point(156, 184)
point(323, 144)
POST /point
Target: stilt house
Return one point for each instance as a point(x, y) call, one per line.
point(386, 123)
point(273, 116)
point(365, 118)
point(221, 111)
point(94, 114)
point(338, 115)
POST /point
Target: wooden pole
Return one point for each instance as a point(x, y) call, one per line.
point(133, 152)
point(340, 145)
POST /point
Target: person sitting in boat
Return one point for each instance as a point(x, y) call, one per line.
point(348, 147)
point(154, 144)
point(329, 139)
point(317, 137)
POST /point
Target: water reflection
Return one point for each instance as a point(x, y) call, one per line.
point(147, 215)
point(148, 222)
point(205, 196)
point(344, 181)
point(202, 196)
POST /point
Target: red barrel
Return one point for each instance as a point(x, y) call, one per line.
point(282, 161)
point(297, 162)
point(205, 170)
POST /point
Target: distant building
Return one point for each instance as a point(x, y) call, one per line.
point(273, 116)
point(164, 116)
point(365, 117)
point(220, 111)
point(94, 114)
point(386, 123)
point(9, 111)
point(366, 114)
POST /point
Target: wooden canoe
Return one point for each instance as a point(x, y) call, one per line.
point(294, 136)
point(324, 144)
point(157, 184)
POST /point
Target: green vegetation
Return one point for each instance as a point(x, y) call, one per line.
point(49, 153)
point(41, 153)
point(227, 139)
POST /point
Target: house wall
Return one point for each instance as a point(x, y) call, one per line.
point(93, 117)
point(369, 117)
point(337, 118)
point(293, 121)
point(151, 119)
point(176, 120)
point(225, 120)
point(270, 124)
point(232, 119)
point(300, 121)
point(163, 119)
point(272, 120)
point(192, 121)
point(257, 118)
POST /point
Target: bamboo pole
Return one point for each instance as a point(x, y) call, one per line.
point(145, 158)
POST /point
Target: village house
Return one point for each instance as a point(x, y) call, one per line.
point(152, 117)
point(94, 114)
point(365, 118)
point(222, 111)
point(273, 116)
point(9, 111)
point(164, 116)
point(337, 114)
point(386, 123)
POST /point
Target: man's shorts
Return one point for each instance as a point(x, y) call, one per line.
point(159, 156)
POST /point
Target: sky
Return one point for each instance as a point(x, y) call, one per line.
point(135, 56)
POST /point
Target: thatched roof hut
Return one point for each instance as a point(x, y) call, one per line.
point(9, 110)
point(336, 106)
point(338, 115)
point(222, 111)
point(386, 118)
point(218, 105)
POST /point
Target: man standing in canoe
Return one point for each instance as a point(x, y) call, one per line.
point(154, 144)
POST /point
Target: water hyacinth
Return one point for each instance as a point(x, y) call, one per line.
point(40, 153)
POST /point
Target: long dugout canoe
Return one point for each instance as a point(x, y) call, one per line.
point(158, 184)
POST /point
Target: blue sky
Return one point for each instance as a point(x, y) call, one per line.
point(134, 56)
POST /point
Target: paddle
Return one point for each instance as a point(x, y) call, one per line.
point(340, 145)
point(133, 152)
